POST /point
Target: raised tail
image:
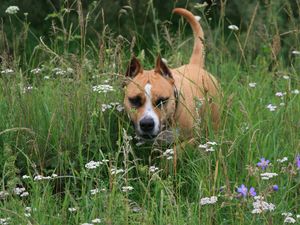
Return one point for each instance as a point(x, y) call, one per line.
point(198, 51)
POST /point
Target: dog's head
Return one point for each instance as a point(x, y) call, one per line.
point(150, 97)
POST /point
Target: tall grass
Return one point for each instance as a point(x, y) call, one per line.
point(62, 128)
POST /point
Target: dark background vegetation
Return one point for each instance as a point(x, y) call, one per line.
point(273, 19)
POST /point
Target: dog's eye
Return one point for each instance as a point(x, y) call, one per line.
point(161, 101)
point(136, 101)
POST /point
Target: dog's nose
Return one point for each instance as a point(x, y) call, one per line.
point(147, 124)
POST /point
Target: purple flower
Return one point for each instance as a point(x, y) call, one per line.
point(242, 190)
point(252, 192)
point(263, 164)
point(275, 187)
point(298, 161)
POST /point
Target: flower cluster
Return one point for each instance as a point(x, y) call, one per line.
point(267, 176)
point(209, 146)
point(260, 206)
point(111, 105)
point(208, 200)
point(102, 88)
point(12, 9)
point(127, 188)
point(169, 153)
point(7, 71)
point(243, 191)
point(263, 164)
point(93, 165)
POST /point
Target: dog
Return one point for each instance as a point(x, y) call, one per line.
point(164, 98)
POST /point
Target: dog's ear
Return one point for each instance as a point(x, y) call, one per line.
point(134, 67)
point(162, 68)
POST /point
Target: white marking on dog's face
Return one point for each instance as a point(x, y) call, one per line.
point(149, 112)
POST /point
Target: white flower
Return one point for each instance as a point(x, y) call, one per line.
point(284, 159)
point(19, 191)
point(94, 191)
point(286, 77)
point(36, 70)
point(289, 220)
point(280, 94)
point(208, 200)
point(27, 214)
point(271, 107)
point(198, 18)
point(87, 224)
point(4, 221)
point(208, 146)
point(298, 216)
point(295, 52)
point(127, 188)
point(72, 209)
point(25, 177)
point(169, 153)
point(153, 169)
point(7, 71)
point(59, 71)
point(267, 176)
point(102, 88)
point(233, 27)
point(296, 91)
point(287, 214)
point(24, 194)
point(3, 194)
point(260, 206)
point(41, 177)
point(96, 220)
point(115, 171)
point(54, 175)
point(12, 9)
point(252, 85)
point(46, 77)
point(93, 165)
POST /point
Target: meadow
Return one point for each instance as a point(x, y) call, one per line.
point(69, 154)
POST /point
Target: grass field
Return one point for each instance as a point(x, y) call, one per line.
point(68, 153)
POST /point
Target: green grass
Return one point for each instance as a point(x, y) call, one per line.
point(58, 126)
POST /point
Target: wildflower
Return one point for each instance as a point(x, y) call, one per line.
point(252, 192)
point(296, 91)
point(36, 70)
point(233, 27)
point(242, 190)
point(54, 175)
point(19, 191)
point(260, 206)
point(41, 177)
point(286, 214)
point(24, 194)
point(27, 214)
point(286, 77)
point(104, 88)
point(72, 209)
point(275, 187)
point(263, 164)
point(86, 224)
point(46, 77)
point(94, 191)
point(3, 194)
point(280, 94)
point(289, 219)
point(4, 221)
point(153, 169)
point(208, 200)
point(12, 9)
point(267, 176)
point(298, 161)
point(59, 71)
point(208, 146)
point(271, 107)
point(198, 18)
point(252, 85)
point(169, 153)
point(96, 220)
point(92, 165)
point(284, 159)
point(295, 52)
point(127, 188)
point(7, 71)
point(25, 177)
point(115, 171)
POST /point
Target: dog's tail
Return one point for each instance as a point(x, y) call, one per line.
point(198, 51)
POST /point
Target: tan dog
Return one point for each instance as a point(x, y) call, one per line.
point(162, 98)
